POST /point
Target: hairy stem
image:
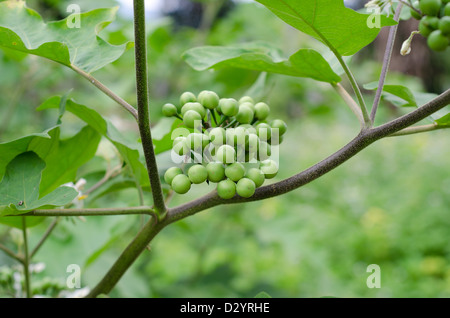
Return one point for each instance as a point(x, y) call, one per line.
point(143, 105)
point(26, 258)
point(107, 91)
point(386, 62)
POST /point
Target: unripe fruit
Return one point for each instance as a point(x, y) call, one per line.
point(437, 41)
point(245, 187)
point(431, 22)
point(280, 125)
point(216, 171)
point(172, 173)
point(249, 105)
point(226, 189)
point(236, 136)
point(269, 168)
point(229, 106)
point(181, 184)
point(226, 154)
point(197, 174)
point(169, 110)
point(208, 99)
point(444, 25)
point(194, 106)
point(197, 141)
point(264, 151)
point(246, 99)
point(217, 136)
point(250, 129)
point(180, 146)
point(447, 10)
point(256, 175)
point(424, 28)
point(430, 7)
point(192, 119)
point(187, 97)
point(262, 111)
point(264, 131)
point(252, 143)
point(235, 171)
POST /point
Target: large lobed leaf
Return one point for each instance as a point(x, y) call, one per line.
point(23, 29)
point(342, 29)
point(263, 58)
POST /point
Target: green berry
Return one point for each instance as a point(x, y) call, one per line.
point(444, 25)
point(172, 173)
point(208, 99)
point(424, 28)
point(244, 115)
point(430, 7)
point(226, 189)
point(236, 136)
point(194, 106)
point(180, 146)
point(256, 175)
point(264, 131)
point(280, 125)
point(264, 151)
point(252, 143)
point(437, 41)
point(250, 129)
point(187, 97)
point(181, 184)
point(229, 106)
point(197, 174)
point(246, 99)
point(235, 171)
point(447, 10)
point(431, 22)
point(216, 171)
point(249, 105)
point(169, 110)
point(217, 136)
point(192, 119)
point(226, 154)
point(269, 168)
point(245, 187)
point(262, 111)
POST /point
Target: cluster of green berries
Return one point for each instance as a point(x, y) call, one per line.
point(230, 142)
point(434, 23)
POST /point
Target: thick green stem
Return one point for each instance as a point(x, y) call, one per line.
point(26, 258)
point(143, 105)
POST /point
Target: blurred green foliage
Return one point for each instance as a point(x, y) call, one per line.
point(388, 206)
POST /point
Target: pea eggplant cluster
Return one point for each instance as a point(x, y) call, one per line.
point(228, 140)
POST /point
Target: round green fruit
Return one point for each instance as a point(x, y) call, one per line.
point(226, 189)
point(172, 173)
point(244, 115)
point(430, 7)
point(197, 174)
point(256, 175)
point(269, 168)
point(235, 171)
point(280, 125)
point(194, 106)
point(217, 136)
point(264, 131)
point(246, 99)
point(264, 151)
point(226, 154)
point(192, 119)
point(431, 22)
point(181, 184)
point(424, 29)
point(180, 146)
point(252, 143)
point(229, 106)
point(444, 25)
point(447, 10)
point(169, 110)
point(187, 97)
point(197, 141)
point(262, 111)
point(437, 41)
point(216, 171)
point(208, 99)
point(245, 187)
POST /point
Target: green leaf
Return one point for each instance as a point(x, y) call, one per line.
point(400, 91)
point(22, 29)
point(342, 29)
point(263, 58)
point(444, 121)
point(19, 188)
point(127, 148)
point(162, 134)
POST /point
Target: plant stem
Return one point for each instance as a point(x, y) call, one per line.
point(44, 237)
point(92, 212)
point(107, 91)
point(350, 102)
point(26, 258)
point(11, 253)
point(418, 130)
point(143, 105)
point(386, 62)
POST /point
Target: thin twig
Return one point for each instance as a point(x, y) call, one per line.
point(26, 258)
point(418, 129)
point(11, 253)
point(386, 63)
point(44, 237)
point(107, 91)
point(350, 102)
point(108, 175)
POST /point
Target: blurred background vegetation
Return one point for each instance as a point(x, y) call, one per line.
point(389, 205)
